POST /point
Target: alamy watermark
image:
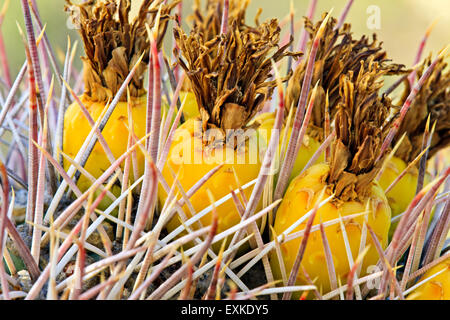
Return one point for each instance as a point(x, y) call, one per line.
point(374, 20)
point(375, 281)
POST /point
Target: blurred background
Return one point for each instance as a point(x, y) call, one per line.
point(402, 23)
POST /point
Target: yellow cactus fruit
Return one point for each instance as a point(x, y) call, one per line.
point(438, 287)
point(190, 108)
point(307, 149)
point(349, 175)
point(221, 135)
point(301, 196)
point(77, 128)
point(401, 195)
point(403, 192)
point(190, 162)
point(106, 65)
point(115, 133)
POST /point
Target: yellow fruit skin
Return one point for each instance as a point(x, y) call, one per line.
point(190, 109)
point(404, 191)
point(302, 195)
point(438, 288)
point(401, 195)
point(77, 128)
point(220, 184)
point(306, 151)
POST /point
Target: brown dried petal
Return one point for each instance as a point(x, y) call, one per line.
point(433, 99)
point(229, 74)
point(208, 21)
point(360, 124)
point(113, 44)
point(338, 53)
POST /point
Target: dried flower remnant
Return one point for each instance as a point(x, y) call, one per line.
point(432, 104)
point(208, 21)
point(338, 53)
point(360, 122)
point(432, 99)
point(231, 87)
point(113, 46)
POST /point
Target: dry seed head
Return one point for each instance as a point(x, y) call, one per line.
point(208, 21)
point(338, 54)
point(113, 44)
point(360, 124)
point(230, 73)
point(432, 100)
